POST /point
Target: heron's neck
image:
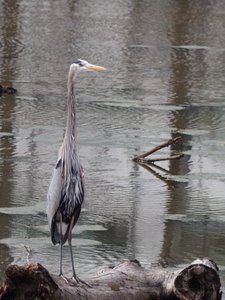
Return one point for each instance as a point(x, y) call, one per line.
point(68, 151)
point(70, 134)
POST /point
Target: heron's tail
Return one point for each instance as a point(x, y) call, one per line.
point(55, 228)
point(55, 232)
point(55, 235)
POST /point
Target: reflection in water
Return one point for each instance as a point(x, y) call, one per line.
point(165, 78)
point(7, 110)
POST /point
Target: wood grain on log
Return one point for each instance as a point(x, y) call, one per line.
point(129, 280)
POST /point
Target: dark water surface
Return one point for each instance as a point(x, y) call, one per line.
point(166, 77)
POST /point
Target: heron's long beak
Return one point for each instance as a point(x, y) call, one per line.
point(95, 68)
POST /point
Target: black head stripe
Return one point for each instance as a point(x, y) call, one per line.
point(79, 62)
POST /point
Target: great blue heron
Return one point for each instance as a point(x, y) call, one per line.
point(66, 190)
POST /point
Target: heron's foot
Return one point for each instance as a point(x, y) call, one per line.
point(64, 278)
point(79, 281)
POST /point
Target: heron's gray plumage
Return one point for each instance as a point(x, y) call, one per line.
point(66, 190)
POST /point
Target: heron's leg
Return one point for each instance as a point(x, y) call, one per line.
point(78, 280)
point(61, 246)
point(70, 246)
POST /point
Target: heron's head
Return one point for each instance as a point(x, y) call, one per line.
point(83, 65)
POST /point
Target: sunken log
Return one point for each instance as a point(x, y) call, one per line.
point(129, 280)
point(7, 90)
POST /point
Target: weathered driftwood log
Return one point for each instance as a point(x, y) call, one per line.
point(129, 280)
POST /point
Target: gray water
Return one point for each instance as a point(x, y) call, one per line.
point(165, 78)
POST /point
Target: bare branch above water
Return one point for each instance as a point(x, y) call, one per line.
point(142, 157)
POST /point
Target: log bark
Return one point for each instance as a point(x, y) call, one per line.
point(129, 280)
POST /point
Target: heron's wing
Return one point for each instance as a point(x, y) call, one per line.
point(54, 192)
point(65, 195)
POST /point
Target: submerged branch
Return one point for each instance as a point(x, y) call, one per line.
point(173, 157)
